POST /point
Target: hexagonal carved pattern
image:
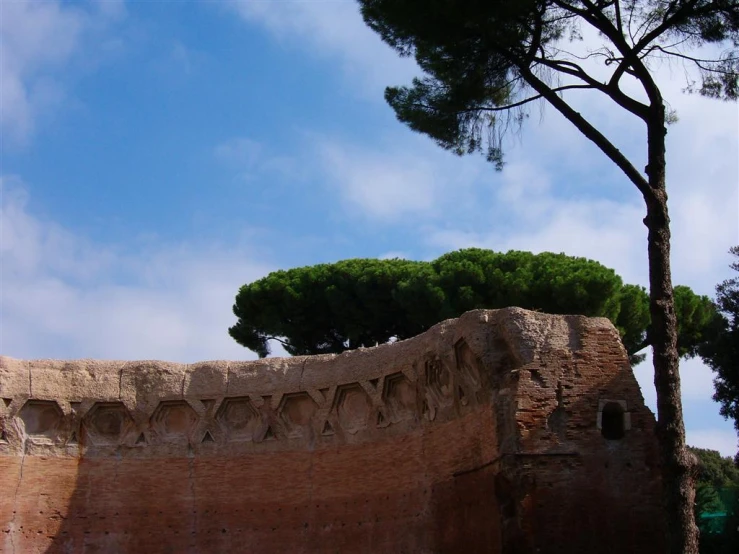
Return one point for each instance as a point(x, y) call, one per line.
point(400, 397)
point(174, 418)
point(107, 422)
point(239, 419)
point(468, 364)
point(41, 418)
point(438, 379)
point(353, 407)
point(296, 412)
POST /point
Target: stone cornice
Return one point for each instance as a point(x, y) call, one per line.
point(154, 408)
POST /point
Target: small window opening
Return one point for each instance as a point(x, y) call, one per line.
point(613, 425)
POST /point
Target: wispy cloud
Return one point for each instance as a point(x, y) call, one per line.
point(240, 151)
point(379, 184)
point(332, 30)
point(37, 42)
point(250, 159)
point(600, 230)
point(64, 296)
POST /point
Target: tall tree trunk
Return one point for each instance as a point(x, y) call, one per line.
point(677, 463)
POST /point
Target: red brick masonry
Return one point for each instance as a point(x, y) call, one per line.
point(503, 431)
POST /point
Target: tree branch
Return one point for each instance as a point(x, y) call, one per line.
point(624, 100)
point(646, 342)
point(670, 18)
point(282, 342)
point(696, 61)
point(535, 38)
point(587, 129)
point(509, 106)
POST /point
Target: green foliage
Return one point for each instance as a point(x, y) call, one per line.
point(717, 493)
point(485, 60)
point(633, 320)
point(716, 470)
point(329, 308)
point(721, 352)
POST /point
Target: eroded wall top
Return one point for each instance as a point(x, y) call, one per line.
point(154, 408)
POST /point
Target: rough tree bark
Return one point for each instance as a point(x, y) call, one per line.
point(677, 463)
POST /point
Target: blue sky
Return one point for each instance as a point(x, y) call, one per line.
point(157, 155)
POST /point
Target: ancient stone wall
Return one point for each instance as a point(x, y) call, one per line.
point(501, 431)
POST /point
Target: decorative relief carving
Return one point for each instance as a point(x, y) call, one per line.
point(399, 396)
point(353, 407)
point(239, 419)
point(174, 419)
point(41, 418)
point(438, 380)
point(427, 410)
point(467, 364)
point(269, 434)
point(420, 393)
point(296, 412)
point(462, 396)
point(328, 429)
point(107, 423)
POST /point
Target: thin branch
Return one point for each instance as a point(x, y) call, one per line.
point(591, 53)
point(631, 17)
point(646, 24)
point(697, 61)
point(619, 24)
point(282, 342)
point(508, 106)
point(667, 22)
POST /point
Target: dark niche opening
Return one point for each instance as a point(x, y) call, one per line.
point(612, 423)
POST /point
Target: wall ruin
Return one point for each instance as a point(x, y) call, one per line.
point(502, 431)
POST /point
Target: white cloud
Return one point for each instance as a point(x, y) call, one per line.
point(530, 216)
point(380, 184)
point(37, 42)
point(66, 297)
point(335, 30)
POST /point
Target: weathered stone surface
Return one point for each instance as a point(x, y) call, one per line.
point(501, 431)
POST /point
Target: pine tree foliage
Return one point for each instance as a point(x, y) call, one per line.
point(722, 353)
point(329, 308)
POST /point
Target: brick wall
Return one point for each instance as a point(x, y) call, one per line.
point(480, 435)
